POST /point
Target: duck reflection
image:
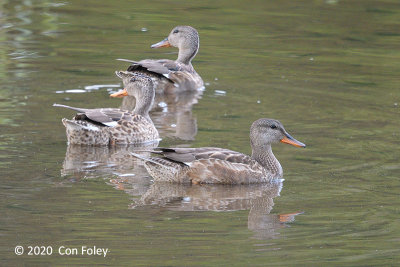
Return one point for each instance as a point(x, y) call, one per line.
point(172, 113)
point(94, 161)
point(128, 174)
point(258, 199)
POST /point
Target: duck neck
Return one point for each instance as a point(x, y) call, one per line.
point(187, 53)
point(143, 104)
point(263, 155)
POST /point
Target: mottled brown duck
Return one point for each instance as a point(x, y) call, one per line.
point(113, 126)
point(209, 165)
point(173, 75)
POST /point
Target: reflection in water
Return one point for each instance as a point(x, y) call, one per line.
point(89, 88)
point(130, 176)
point(92, 161)
point(17, 20)
point(258, 199)
point(18, 48)
point(172, 113)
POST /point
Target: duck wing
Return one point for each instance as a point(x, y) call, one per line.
point(105, 116)
point(188, 155)
point(161, 67)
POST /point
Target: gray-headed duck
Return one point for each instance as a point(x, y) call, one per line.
point(112, 126)
point(223, 166)
point(173, 75)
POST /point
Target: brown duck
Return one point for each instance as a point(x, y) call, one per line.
point(112, 126)
point(169, 75)
point(223, 166)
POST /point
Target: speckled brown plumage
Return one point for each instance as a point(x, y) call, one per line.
point(112, 126)
point(210, 165)
point(169, 75)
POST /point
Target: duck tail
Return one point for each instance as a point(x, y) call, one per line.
point(82, 110)
point(85, 133)
point(144, 158)
point(163, 170)
point(78, 125)
point(127, 60)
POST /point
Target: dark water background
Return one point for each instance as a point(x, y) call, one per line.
point(328, 70)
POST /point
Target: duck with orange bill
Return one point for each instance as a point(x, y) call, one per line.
point(178, 75)
point(113, 126)
point(212, 165)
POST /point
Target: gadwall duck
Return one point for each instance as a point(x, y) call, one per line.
point(112, 126)
point(169, 75)
point(223, 166)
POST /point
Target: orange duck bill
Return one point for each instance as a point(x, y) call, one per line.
point(288, 139)
point(121, 93)
point(288, 217)
point(163, 43)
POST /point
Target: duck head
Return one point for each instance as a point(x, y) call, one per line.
point(186, 39)
point(135, 84)
point(264, 132)
point(141, 87)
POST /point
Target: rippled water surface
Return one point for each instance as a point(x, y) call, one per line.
point(327, 69)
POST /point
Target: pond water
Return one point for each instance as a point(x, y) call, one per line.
point(327, 69)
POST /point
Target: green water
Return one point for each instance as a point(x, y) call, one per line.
point(328, 70)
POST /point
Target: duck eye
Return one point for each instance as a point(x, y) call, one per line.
point(273, 126)
point(176, 31)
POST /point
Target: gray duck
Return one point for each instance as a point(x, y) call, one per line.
point(208, 165)
point(113, 126)
point(173, 75)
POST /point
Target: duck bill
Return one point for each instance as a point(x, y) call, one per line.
point(121, 93)
point(163, 43)
point(288, 139)
point(288, 217)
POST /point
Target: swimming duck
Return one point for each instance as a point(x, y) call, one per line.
point(169, 75)
point(112, 126)
point(223, 166)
